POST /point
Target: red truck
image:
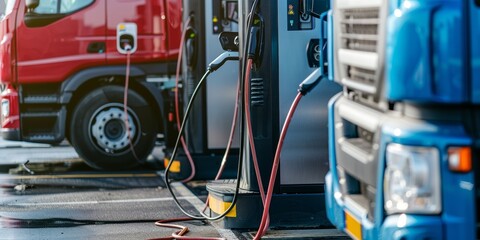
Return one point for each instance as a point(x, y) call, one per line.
point(62, 76)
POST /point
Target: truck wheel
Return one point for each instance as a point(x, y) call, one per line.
point(98, 131)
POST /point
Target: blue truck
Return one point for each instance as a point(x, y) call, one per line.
point(404, 133)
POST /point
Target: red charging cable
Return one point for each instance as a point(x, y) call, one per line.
point(125, 101)
point(250, 131)
point(232, 134)
point(179, 234)
point(264, 222)
point(177, 107)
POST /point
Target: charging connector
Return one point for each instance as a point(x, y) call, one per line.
point(127, 47)
point(255, 40)
point(222, 59)
point(311, 81)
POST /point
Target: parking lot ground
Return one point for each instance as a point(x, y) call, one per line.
point(56, 196)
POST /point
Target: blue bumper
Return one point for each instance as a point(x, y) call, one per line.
point(397, 227)
point(411, 227)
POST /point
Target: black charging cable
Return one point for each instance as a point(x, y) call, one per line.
point(213, 66)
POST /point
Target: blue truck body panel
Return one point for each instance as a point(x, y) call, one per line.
point(474, 31)
point(432, 58)
point(425, 53)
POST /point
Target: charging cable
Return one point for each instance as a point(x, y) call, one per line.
point(250, 131)
point(128, 49)
point(230, 138)
point(217, 63)
point(305, 87)
point(182, 230)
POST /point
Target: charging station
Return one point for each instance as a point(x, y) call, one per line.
point(290, 53)
point(209, 124)
point(126, 38)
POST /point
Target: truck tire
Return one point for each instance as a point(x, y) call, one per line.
point(98, 130)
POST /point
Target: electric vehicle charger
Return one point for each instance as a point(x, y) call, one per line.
point(297, 199)
point(307, 85)
point(253, 51)
point(209, 123)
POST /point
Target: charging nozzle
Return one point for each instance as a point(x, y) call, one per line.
point(127, 47)
point(253, 42)
point(220, 60)
point(311, 81)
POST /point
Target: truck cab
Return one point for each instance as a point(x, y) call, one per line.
point(63, 76)
point(404, 132)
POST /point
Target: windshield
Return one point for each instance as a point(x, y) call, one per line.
point(6, 7)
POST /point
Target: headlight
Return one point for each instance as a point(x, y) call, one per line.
point(5, 108)
point(412, 180)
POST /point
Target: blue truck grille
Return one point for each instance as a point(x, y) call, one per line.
point(359, 38)
point(356, 132)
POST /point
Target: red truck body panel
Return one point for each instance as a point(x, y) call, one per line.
point(51, 59)
point(63, 48)
point(7, 47)
point(53, 53)
point(153, 25)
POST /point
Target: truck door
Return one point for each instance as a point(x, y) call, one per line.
point(58, 38)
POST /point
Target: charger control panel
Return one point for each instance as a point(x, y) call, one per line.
point(126, 38)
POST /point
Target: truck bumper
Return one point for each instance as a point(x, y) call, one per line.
point(10, 114)
point(395, 227)
point(10, 134)
point(457, 220)
point(411, 227)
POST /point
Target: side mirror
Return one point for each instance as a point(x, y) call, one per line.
point(32, 4)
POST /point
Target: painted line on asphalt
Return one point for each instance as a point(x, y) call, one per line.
point(165, 199)
point(199, 205)
point(65, 176)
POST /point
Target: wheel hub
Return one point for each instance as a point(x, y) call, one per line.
point(110, 130)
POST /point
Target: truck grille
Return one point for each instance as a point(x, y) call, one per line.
point(359, 45)
point(360, 29)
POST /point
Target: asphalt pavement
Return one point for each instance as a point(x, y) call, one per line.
point(62, 198)
point(59, 197)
